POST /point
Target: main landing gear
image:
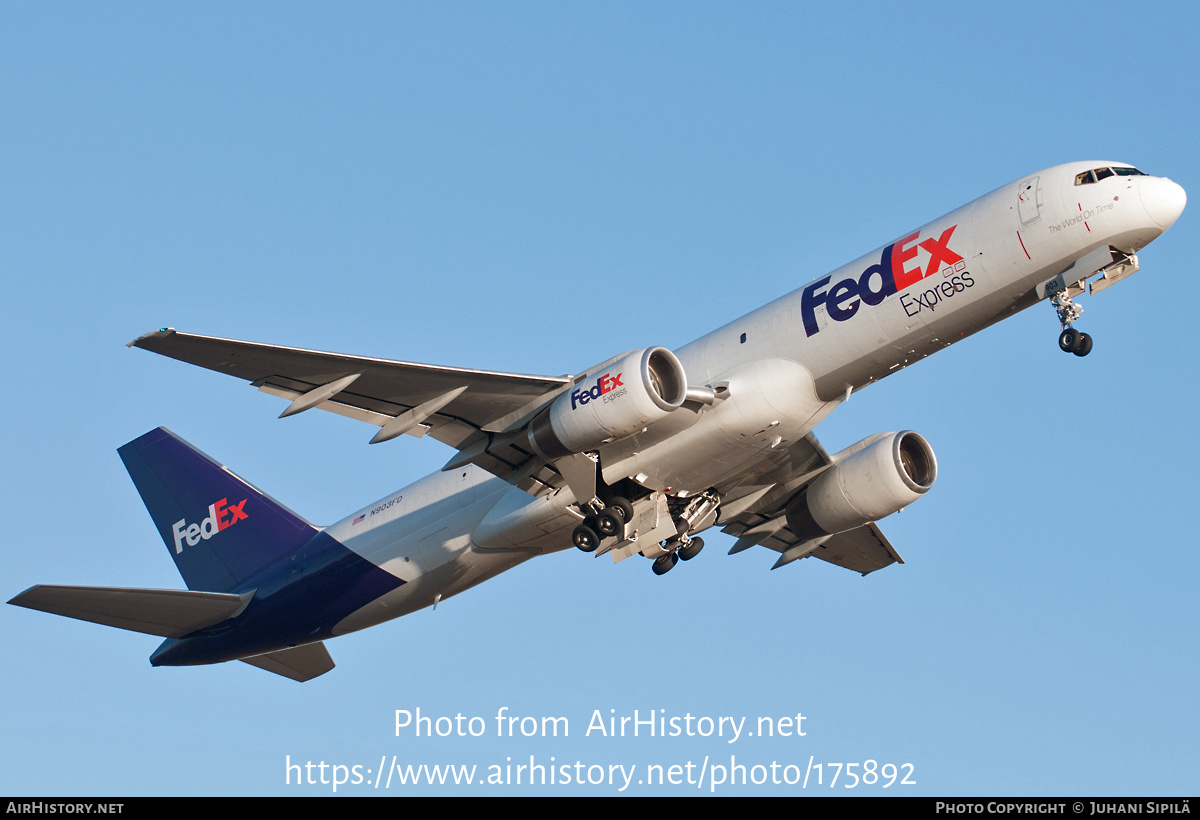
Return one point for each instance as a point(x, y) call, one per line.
point(679, 552)
point(1070, 340)
point(696, 515)
point(613, 519)
point(608, 523)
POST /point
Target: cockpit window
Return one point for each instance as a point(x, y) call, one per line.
point(1097, 174)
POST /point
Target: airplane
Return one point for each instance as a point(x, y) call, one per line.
point(636, 455)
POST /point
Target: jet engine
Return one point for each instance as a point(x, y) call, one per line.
point(611, 402)
point(868, 481)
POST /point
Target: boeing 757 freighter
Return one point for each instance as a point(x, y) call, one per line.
point(639, 454)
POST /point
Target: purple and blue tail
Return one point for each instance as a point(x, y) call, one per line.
point(219, 528)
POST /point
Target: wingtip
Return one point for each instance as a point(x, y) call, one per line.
point(154, 334)
point(16, 599)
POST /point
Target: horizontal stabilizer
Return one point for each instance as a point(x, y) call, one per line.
point(170, 613)
point(299, 663)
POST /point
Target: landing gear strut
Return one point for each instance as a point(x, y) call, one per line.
point(690, 551)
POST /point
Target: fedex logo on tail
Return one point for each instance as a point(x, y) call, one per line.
point(603, 386)
point(221, 515)
point(899, 267)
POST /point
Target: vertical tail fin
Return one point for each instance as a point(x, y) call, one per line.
point(219, 529)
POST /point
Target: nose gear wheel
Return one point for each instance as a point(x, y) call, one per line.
point(1070, 340)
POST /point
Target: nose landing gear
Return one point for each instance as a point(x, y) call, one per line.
point(1070, 340)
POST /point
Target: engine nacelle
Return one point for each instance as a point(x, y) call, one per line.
point(611, 402)
point(878, 477)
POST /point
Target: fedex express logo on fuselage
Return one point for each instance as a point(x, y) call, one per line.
point(221, 515)
point(605, 386)
point(893, 273)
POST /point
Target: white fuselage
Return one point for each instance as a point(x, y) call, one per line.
point(786, 366)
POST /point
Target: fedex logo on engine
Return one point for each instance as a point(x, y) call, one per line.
point(604, 386)
point(898, 268)
point(221, 515)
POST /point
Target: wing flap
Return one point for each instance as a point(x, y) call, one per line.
point(170, 613)
point(863, 550)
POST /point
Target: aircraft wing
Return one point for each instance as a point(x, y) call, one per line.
point(480, 413)
point(457, 406)
point(753, 511)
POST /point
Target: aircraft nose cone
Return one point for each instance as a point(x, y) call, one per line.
point(1163, 201)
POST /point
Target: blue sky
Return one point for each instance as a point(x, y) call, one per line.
point(535, 188)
